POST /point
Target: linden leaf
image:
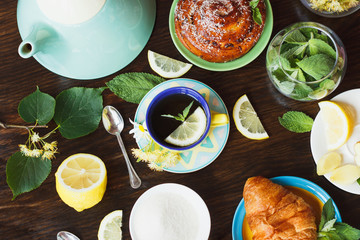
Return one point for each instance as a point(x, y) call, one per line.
point(37, 107)
point(24, 174)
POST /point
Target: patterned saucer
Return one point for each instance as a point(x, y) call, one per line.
point(205, 153)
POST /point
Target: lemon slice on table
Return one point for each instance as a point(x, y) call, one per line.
point(337, 123)
point(110, 226)
point(190, 130)
point(167, 67)
point(247, 121)
point(81, 181)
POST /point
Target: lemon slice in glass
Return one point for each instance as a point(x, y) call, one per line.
point(81, 181)
point(190, 130)
point(247, 121)
point(337, 123)
point(110, 226)
point(167, 67)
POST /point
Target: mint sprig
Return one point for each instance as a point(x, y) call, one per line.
point(256, 11)
point(181, 116)
point(295, 121)
point(329, 229)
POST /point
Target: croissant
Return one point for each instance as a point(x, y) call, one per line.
point(218, 30)
point(275, 213)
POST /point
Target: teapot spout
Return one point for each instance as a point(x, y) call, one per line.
point(34, 41)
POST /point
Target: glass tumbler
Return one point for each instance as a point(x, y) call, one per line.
point(293, 67)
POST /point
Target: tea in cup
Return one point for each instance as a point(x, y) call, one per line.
point(179, 118)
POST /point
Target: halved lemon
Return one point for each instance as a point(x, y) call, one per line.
point(81, 181)
point(190, 130)
point(247, 121)
point(337, 123)
point(110, 226)
point(167, 67)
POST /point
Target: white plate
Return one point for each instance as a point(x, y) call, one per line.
point(196, 212)
point(318, 141)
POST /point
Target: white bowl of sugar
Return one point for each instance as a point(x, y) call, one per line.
point(170, 211)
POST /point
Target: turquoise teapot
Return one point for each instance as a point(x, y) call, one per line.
point(84, 39)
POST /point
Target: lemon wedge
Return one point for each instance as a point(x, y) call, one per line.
point(110, 226)
point(328, 163)
point(337, 123)
point(167, 67)
point(247, 121)
point(190, 130)
point(81, 181)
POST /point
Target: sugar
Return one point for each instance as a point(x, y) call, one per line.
point(165, 216)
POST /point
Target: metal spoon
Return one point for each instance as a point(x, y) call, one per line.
point(114, 124)
point(64, 235)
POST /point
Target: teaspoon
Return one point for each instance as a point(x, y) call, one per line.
point(114, 124)
point(64, 235)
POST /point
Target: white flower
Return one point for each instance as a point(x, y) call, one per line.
point(139, 131)
point(35, 137)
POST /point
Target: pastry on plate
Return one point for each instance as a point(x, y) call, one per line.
point(275, 213)
point(218, 30)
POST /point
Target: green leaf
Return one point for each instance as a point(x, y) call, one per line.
point(327, 214)
point(186, 110)
point(132, 87)
point(37, 106)
point(286, 87)
point(358, 181)
point(285, 63)
point(296, 37)
point(302, 90)
point(332, 235)
point(253, 4)
point(257, 16)
point(78, 111)
point(317, 66)
point(301, 76)
point(346, 231)
point(308, 32)
point(297, 122)
point(24, 174)
point(317, 46)
point(327, 84)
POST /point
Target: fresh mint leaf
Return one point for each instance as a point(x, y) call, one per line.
point(132, 87)
point(346, 231)
point(285, 63)
point(253, 4)
point(257, 16)
point(78, 111)
point(327, 214)
point(286, 87)
point(302, 90)
point(322, 37)
point(327, 84)
point(37, 107)
point(24, 174)
point(296, 37)
point(317, 66)
point(308, 32)
point(332, 235)
point(317, 46)
point(295, 121)
point(186, 110)
point(358, 181)
point(301, 76)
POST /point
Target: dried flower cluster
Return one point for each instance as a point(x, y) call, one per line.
point(36, 146)
point(156, 158)
point(333, 5)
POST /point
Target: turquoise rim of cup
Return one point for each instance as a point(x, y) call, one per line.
point(178, 90)
point(226, 66)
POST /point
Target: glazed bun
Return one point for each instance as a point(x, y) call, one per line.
point(218, 30)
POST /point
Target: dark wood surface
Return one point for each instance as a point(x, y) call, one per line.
point(40, 214)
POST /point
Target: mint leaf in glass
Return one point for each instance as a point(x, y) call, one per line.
point(317, 66)
point(296, 37)
point(317, 46)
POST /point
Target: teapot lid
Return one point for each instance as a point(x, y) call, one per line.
point(70, 11)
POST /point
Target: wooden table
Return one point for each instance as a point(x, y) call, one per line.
point(40, 214)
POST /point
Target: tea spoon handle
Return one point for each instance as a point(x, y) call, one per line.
point(135, 181)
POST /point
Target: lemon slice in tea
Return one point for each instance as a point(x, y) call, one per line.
point(190, 130)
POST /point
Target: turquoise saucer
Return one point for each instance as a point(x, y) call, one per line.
point(204, 154)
